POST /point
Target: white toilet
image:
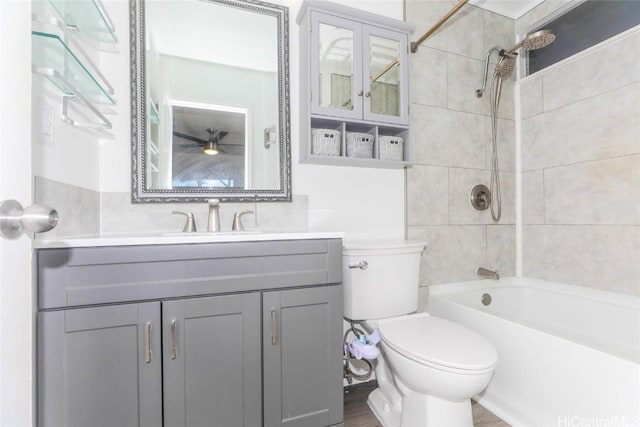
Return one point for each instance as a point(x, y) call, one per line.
point(429, 367)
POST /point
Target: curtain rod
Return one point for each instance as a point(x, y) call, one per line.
point(414, 45)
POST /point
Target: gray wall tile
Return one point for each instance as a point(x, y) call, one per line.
point(464, 76)
point(447, 138)
point(501, 249)
point(429, 77)
point(452, 253)
point(532, 186)
point(531, 101)
point(599, 192)
point(427, 195)
point(449, 37)
point(502, 31)
point(602, 257)
point(603, 126)
point(78, 208)
point(506, 141)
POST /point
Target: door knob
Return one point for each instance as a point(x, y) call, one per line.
point(14, 220)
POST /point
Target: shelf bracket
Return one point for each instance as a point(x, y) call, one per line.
point(74, 94)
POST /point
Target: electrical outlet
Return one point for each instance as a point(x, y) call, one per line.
point(46, 125)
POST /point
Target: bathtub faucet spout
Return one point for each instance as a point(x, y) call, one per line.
point(489, 274)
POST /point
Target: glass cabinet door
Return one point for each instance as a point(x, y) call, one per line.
point(336, 64)
point(385, 73)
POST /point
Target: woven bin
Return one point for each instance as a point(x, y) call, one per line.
point(325, 142)
point(391, 148)
point(359, 145)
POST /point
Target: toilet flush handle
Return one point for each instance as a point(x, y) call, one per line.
point(362, 265)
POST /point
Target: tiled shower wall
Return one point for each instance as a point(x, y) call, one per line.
point(580, 138)
point(451, 148)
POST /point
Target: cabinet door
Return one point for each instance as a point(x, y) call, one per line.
point(100, 367)
point(336, 66)
point(386, 73)
point(302, 342)
point(212, 361)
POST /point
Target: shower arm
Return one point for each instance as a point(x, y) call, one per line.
point(480, 91)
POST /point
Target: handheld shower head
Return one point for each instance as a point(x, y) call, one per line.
point(505, 66)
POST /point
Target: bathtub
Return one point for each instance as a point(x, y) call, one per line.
point(567, 355)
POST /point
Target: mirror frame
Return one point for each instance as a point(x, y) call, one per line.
point(139, 192)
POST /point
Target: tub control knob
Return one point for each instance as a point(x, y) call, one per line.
point(362, 265)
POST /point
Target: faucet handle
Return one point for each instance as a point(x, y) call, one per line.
point(237, 220)
point(190, 224)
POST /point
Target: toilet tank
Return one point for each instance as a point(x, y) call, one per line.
point(388, 285)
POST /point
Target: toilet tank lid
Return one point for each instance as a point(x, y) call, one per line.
point(393, 245)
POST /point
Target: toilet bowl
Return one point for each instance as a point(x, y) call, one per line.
point(429, 368)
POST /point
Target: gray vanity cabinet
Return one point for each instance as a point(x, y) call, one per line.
point(301, 352)
point(95, 370)
point(242, 334)
point(212, 364)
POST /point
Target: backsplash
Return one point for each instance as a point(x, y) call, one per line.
point(84, 211)
point(78, 208)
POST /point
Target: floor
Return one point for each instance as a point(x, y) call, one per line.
point(358, 414)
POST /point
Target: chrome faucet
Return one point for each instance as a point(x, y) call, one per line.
point(190, 224)
point(213, 224)
point(488, 274)
point(237, 220)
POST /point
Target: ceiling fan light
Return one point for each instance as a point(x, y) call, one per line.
point(211, 148)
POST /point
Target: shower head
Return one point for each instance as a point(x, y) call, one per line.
point(505, 66)
point(536, 40)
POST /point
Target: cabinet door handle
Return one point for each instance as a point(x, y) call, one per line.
point(174, 349)
point(147, 342)
point(368, 94)
point(274, 327)
point(360, 93)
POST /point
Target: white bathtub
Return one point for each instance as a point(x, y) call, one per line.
point(567, 355)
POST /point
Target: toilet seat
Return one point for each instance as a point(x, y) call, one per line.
point(438, 343)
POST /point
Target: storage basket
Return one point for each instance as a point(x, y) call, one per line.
point(359, 145)
point(325, 142)
point(390, 147)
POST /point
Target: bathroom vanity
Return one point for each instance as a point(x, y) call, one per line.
point(234, 332)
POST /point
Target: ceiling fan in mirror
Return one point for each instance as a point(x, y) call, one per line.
point(211, 146)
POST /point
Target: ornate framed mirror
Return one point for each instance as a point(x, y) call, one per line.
point(209, 101)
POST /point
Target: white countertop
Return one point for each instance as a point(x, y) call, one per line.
point(165, 238)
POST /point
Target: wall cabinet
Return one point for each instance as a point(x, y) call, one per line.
point(262, 356)
point(354, 79)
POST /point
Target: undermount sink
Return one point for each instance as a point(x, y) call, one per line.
point(211, 233)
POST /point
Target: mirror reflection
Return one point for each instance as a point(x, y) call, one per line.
point(384, 57)
point(215, 116)
point(336, 66)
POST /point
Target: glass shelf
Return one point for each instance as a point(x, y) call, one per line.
point(87, 17)
point(52, 57)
